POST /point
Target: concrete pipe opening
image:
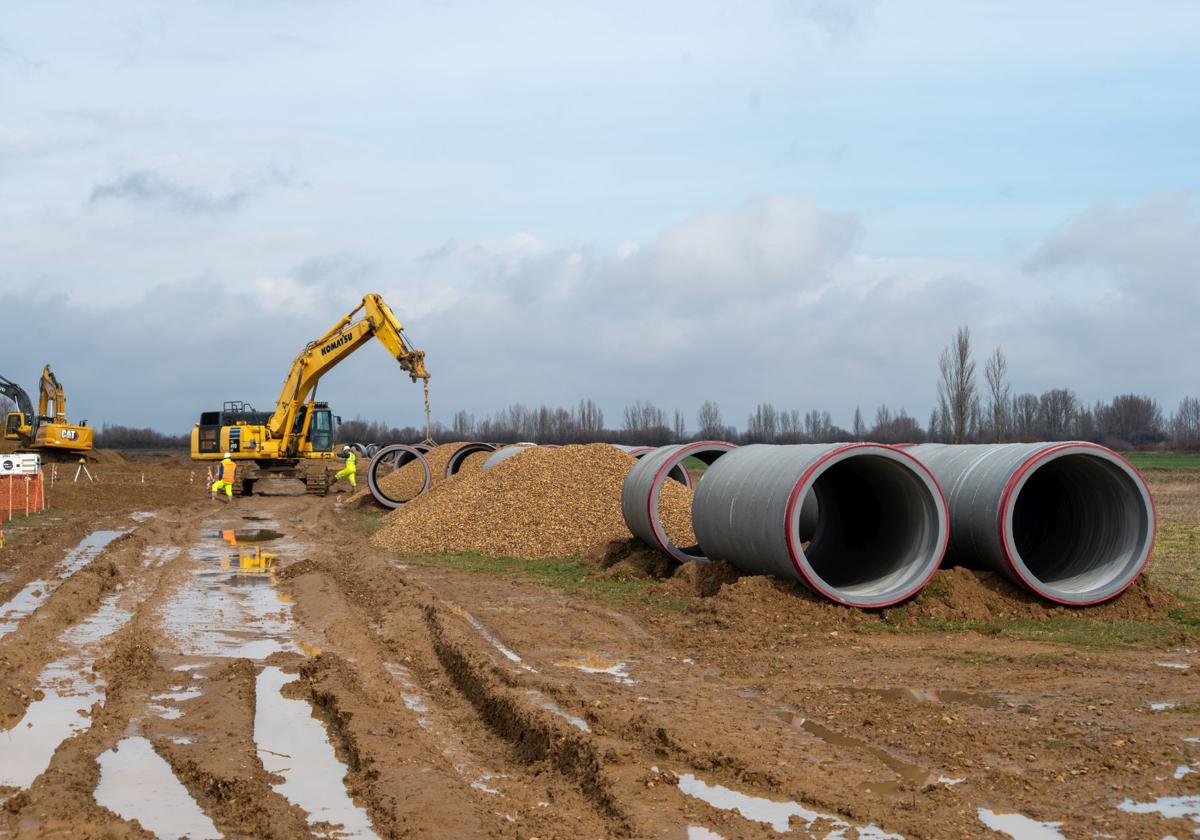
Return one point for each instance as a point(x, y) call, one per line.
point(642, 490)
point(501, 455)
point(1077, 524)
point(878, 528)
point(389, 461)
point(863, 525)
point(678, 473)
point(460, 455)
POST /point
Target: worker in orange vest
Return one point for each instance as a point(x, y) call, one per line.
point(225, 473)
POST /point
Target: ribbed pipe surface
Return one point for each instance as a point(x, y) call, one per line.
point(456, 460)
point(501, 455)
point(862, 524)
point(395, 456)
point(1073, 522)
point(639, 492)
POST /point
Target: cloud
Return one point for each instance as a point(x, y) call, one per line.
point(838, 19)
point(148, 187)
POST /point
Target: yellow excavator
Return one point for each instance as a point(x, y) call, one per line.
point(295, 441)
point(48, 430)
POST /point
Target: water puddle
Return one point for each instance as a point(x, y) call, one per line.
point(1182, 770)
point(1178, 666)
point(1020, 827)
point(35, 592)
point(142, 515)
point(699, 832)
point(1163, 706)
point(778, 815)
point(550, 706)
point(159, 555)
point(293, 744)
point(230, 607)
point(137, 784)
point(924, 695)
point(69, 690)
point(907, 771)
point(593, 664)
point(1171, 807)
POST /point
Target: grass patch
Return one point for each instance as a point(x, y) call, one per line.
point(566, 574)
point(1080, 632)
point(1164, 460)
point(372, 520)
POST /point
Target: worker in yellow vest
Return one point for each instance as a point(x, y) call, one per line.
point(348, 470)
point(225, 473)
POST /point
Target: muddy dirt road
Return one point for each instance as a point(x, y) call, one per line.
point(258, 670)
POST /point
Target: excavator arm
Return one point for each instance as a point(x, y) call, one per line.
point(322, 355)
point(50, 391)
point(17, 394)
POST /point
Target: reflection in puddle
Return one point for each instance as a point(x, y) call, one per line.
point(1171, 807)
point(293, 744)
point(1020, 827)
point(69, 690)
point(225, 610)
point(593, 664)
point(35, 592)
point(778, 815)
point(907, 771)
point(137, 784)
point(923, 695)
point(237, 536)
point(549, 705)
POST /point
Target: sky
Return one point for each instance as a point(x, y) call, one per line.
point(791, 201)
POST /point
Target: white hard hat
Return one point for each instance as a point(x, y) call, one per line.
point(227, 455)
point(345, 448)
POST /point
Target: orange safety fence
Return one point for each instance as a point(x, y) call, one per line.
point(21, 495)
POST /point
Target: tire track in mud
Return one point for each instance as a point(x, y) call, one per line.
point(115, 644)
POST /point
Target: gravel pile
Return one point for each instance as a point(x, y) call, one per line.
point(406, 481)
point(542, 503)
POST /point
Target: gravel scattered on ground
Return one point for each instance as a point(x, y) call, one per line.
point(543, 503)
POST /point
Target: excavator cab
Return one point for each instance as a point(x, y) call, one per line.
point(14, 424)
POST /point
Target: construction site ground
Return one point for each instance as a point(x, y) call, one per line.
point(161, 675)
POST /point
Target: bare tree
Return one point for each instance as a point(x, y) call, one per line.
point(1185, 425)
point(1056, 413)
point(590, 420)
point(680, 427)
point(859, 429)
point(463, 425)
point(818, 426)
point(763, 424)
point(996, 374)
point(646, 423)
point(708, 421)
point(1132, 419)
point(1023, 416)
point(791, 426)
point(956, 389)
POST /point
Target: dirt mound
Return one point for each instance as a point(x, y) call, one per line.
point(547, 502)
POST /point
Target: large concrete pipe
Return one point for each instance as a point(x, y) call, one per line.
point(1073, 522)
point(396, 456)
point(874, 536)
point(456, 460)
point(639, 492)
point(501, 455)
point(679, 472)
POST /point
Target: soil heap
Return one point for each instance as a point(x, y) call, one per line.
point(544, 502)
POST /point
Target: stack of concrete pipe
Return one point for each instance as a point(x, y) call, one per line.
point(867, 525)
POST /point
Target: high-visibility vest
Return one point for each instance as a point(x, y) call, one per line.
point(228, 468)
point(351, 459)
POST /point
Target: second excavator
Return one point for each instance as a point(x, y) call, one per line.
point(47, 430)
point(295, 440)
